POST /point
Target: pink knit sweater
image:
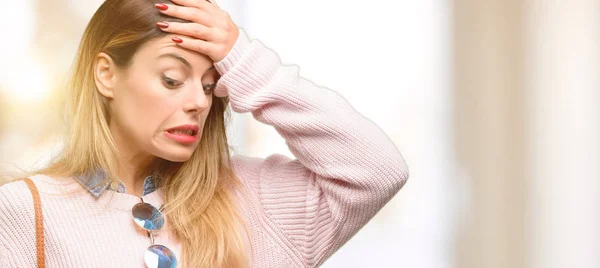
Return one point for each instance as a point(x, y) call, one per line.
point(301, 210)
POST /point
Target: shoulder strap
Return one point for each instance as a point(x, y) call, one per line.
point(39, 223)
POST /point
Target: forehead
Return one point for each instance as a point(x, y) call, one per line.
point(151, 50)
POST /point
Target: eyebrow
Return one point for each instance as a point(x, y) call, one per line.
point(182, 59)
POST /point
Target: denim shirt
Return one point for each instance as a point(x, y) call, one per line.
point(91, 181)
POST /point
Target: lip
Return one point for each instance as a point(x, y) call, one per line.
point(195, 128)
point(183, 138)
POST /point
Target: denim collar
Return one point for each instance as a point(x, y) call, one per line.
point(95, 183)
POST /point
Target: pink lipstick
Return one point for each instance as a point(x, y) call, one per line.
point(186, 134)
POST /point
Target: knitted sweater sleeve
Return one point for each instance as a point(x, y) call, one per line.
point(346, 168)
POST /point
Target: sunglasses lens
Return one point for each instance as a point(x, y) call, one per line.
point(148, 217)
point(158, 256)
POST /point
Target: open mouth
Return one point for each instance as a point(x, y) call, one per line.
point(185, 134)
point(188, 132)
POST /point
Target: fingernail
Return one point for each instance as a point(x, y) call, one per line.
point(161, 6)
point(177, 40)
point(162, 24)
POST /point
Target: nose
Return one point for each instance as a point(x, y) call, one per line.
point(196, 101)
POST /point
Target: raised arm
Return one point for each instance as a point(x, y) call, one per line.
point(346, 169)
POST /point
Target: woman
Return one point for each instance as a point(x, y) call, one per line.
point(147, 142)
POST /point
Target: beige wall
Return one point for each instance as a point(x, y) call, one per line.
point(488, 87)
point(527, 98)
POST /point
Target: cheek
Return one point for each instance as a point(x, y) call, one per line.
point(143, 107)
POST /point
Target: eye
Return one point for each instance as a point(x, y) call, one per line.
point(170, 82)
point(208, 89)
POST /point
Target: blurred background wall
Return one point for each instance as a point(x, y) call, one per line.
point(527, 95)
point(494, 104)
point(488, 89)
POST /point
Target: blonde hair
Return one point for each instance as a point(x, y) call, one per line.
point(199, 193)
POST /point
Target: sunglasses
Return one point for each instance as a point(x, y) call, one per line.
point(151, 219)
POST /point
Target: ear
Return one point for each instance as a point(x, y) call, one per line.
point(105, 75)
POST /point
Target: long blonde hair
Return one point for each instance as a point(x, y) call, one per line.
point(199, 198)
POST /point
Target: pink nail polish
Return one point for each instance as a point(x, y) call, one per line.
point(177, 40)
point(162, 24)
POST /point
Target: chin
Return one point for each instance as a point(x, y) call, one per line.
point(176, 156)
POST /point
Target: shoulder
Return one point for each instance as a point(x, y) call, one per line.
point(16, 200)
point(16, 208)
point(18, 188)
point(13, 195)
point(17, 221)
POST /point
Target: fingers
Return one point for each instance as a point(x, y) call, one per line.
point(204, 47)
point(191, 14)
point(209, 29)
point(206, 5)
point(190, 29)
point(214, 2)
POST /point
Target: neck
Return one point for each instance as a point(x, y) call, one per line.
point(134, 164)
point(133, 171)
